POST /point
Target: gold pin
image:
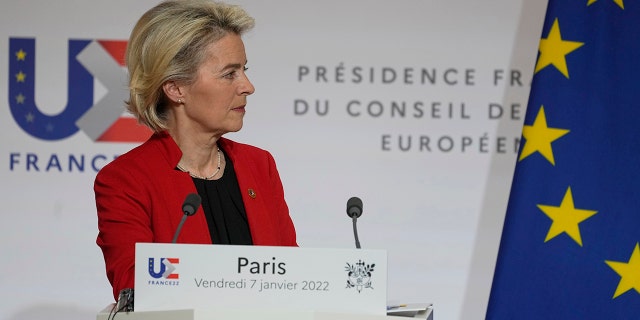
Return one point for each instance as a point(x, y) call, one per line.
point(252, 194)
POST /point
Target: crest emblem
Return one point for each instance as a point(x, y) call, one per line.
point(359, 275)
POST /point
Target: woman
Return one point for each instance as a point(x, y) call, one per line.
point(187, 64)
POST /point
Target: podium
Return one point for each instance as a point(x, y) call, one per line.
point(228, 314)
point(192, 281)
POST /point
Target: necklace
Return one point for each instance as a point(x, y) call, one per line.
point(200, 177)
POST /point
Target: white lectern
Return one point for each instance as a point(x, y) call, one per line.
point(223, 314)
point(187, 281)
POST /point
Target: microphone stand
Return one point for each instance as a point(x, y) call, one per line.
point(355, 232)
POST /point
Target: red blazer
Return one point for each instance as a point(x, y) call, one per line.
point(139, 198)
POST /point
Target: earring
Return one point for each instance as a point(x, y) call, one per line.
point(180, 101)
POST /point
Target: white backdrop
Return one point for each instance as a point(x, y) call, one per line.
point(434, 180)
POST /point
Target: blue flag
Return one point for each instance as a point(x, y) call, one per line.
point(570, 243)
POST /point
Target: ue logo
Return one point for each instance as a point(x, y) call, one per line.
point(166, 268)
point(89, 60)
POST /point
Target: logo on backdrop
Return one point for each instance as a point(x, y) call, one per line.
point(165, 271)
point(88, 60)
point(359, 275)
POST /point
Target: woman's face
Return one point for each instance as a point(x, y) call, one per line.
point(215, 102)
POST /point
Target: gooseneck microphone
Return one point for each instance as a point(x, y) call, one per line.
point(189, 207)
point(125, 298)
point(354, 210)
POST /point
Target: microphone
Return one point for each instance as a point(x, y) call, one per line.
point(354, 210)
point(189, 207)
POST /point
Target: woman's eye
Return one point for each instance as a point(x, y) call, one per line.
point(234, 73)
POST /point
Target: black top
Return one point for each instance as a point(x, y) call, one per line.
point(224, 209)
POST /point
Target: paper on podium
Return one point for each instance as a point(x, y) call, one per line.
point(205, 277)
point(411, 310)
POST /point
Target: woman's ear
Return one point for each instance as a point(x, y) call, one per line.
point(173, 92)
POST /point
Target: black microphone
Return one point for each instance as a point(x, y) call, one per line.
point(354, 210)
point(189, 207)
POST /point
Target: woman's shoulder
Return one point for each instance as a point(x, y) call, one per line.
point(139, 157)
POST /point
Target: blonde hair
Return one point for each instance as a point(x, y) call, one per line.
point(168, 44)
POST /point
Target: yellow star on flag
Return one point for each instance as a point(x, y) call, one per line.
point(553, 50)
point(20, 99)
point(20, 76)
point(566, 218)
point(629, 273)
point(620, 3)
point(539, 137)
point(21, 55)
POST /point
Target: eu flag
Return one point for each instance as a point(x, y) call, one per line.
point(570, 243)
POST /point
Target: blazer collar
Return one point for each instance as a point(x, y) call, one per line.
point(172, 153)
